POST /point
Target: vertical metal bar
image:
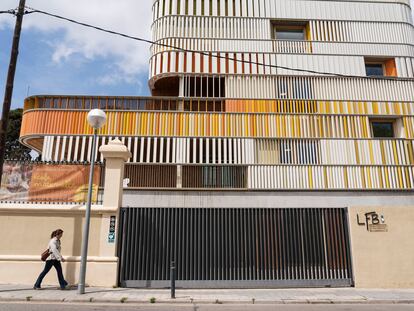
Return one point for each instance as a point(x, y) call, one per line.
point(340, 243)
point(348, 246)
point(147, 244)
point(242, 230)
point(334, 243)
point(210, 238)
point(256, 258)
point(179, 259)
point(228, 247)
point(276, 236)
point(167, 258)
point(234, 245)
point(192, 246)
point(161, 250)
point(212, 244)
point(304, 267)
point(123, 241)
point(265, 243)
point(128, 245)
point(144, 215)
point(330, 246)
point(283, 250)
point(297, 248)
point(250, 247)
point(325, 245)
point(202, 260)
point(320, 247)
point(290, 242)
point(172, 278)
point(154, 246)
point(134, 245)
point(139, 241)
point(311, 243)
point(174, 235)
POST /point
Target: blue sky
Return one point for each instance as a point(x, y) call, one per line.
point(61, 58)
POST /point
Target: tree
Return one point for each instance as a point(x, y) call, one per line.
point(14, 149)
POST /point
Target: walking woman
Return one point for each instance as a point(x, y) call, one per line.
point(53, 260)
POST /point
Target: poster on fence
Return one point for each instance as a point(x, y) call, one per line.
point(48, 183)
point(15, 181)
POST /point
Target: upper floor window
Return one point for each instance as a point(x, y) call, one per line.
point(295, 31)
point(374, 70)
point(382, 129)
point(380, 68)
point(290, 34)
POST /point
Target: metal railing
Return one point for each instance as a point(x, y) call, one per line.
point(271, 177)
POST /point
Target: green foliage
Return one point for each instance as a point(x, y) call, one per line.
point(14, 149)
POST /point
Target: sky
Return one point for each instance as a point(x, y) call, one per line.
point(58, 57)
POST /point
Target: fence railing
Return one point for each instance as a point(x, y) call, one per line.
point(285, 104)
point(271, 177)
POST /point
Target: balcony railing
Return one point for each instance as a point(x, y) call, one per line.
point(286, 47)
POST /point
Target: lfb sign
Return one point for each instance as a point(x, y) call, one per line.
point(373, 222)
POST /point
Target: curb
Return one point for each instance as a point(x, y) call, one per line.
point(91, 300)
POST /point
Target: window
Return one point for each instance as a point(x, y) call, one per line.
point(380, 68)
point(374, 70)
point(382, 129)
point(290, 34)
point(291, 30)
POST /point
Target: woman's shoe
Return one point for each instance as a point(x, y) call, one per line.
point(36, 287)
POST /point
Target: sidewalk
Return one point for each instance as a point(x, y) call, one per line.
point(210, 296)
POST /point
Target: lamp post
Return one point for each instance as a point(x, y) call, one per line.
point(96, 119)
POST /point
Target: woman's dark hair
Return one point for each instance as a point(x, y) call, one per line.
point(56, 233)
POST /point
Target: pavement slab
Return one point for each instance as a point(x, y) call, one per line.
point(9, 292)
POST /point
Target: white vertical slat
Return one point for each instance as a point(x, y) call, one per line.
point(168, 158)
point(134, 155)
point(141, 152)
point(174, 150)
point(70, 156)
point(149, 146)
point(75, 153)
point(155, 151)
point(56, 149)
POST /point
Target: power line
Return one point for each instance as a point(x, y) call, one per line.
point(209, 54)
point(13, 12)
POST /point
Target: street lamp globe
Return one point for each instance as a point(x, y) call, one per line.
point(96, 118)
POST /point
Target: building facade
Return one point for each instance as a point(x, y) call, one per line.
point(269, 120)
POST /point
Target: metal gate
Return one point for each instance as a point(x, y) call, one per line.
point(237, 248)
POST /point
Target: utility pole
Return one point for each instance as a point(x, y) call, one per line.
point(10, 81)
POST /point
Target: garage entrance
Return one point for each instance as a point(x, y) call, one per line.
point(234, 248)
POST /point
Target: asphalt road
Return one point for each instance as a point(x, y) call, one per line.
point(173, 307)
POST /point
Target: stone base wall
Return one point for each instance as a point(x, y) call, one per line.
point(25, 232)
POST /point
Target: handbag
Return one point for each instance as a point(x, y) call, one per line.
point(44, 255)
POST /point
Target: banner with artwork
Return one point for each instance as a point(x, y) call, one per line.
point(47, 183)
point(15, 181)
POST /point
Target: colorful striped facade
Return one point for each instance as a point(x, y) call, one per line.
point(276, 150)
point(256, 109)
